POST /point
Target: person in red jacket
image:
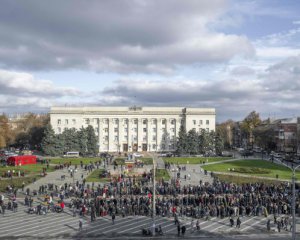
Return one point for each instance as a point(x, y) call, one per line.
point(62, 205)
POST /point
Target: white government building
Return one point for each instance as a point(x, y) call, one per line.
point(126, 129)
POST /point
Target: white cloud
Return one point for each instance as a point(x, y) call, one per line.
point(24, 84)
point(113, 36)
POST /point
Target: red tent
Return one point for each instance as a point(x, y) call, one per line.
point(21, 160)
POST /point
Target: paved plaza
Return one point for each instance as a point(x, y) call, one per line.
point(20, 224)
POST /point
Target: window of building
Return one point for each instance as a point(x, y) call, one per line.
point(163, 129)
point(207, 122)
point(154, 121)
point(126, 130)
point(163, 146)
point(126, 121)
point(66, 121)
point(182, 122)
point(154, 138)
point(116, 121)
point(106, 130)
point(59, 130)
point(96, 120)
point(194, 122)
point(144, 121)
point(134, 138)
point(74, 121)
point(145, 138)
point(201, 121)
point(163, 121)
point(58, 121)
point(125, 137)
point(116, 138)
point(116, 130)
point(172, 129)
point(96, 130)
point(154, 129)
point(194, 129)
point(106, 121)
point(173, 121)
point(153, 146)
point(106, 138)
point(135, 129)
point(87, 121)
point(144, 129)
point(135, 121)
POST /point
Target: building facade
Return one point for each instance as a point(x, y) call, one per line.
point(127, 129)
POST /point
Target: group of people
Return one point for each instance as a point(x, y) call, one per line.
point(124, 196)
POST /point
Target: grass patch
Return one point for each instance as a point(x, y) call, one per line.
point(28, 169)
point(194, 160)
point(244, 180)
point(17, 182)
point(120, 161)
point(146, 161)
point(272, 169)
point(74, 161)
point(254, 170)
point(95, 176)
point(162, 173)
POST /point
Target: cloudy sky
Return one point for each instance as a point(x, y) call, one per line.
point(236, 56)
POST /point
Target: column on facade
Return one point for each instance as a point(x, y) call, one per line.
point(110, 134)
point(140, 134)
point(159, 134)
point(130, 137)
point(149, 135)
point(168, 132)
point(121, 134)
point(99, 137)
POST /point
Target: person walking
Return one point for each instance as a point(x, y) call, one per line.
point(113, 217)
point(178, 229)
point(80, 224)
point(238, 222)
point(183, 228)
point(231, 222)
point(198, 225)
point(269, 225)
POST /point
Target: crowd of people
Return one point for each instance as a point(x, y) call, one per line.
point(130, 196)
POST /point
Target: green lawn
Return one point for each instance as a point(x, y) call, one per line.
point(28, 169)
point(249, 167)
point(17, 182)
point(162, 173)
point(145, 160)
point(74, 160)
point(95, 176)
point(242, 180)
point(194, 160)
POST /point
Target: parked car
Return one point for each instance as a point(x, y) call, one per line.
point(136, 154)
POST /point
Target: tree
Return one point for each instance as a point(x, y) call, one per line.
point(49, 141)
point(181, 145)
point(219, 145)
point(92, 141)
point(192, 142)
point(225, 132)
point(71, 141)
point(249, 123)
point(82, 140)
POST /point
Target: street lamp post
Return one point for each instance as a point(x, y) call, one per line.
point(293, 198)
point(153, 205)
